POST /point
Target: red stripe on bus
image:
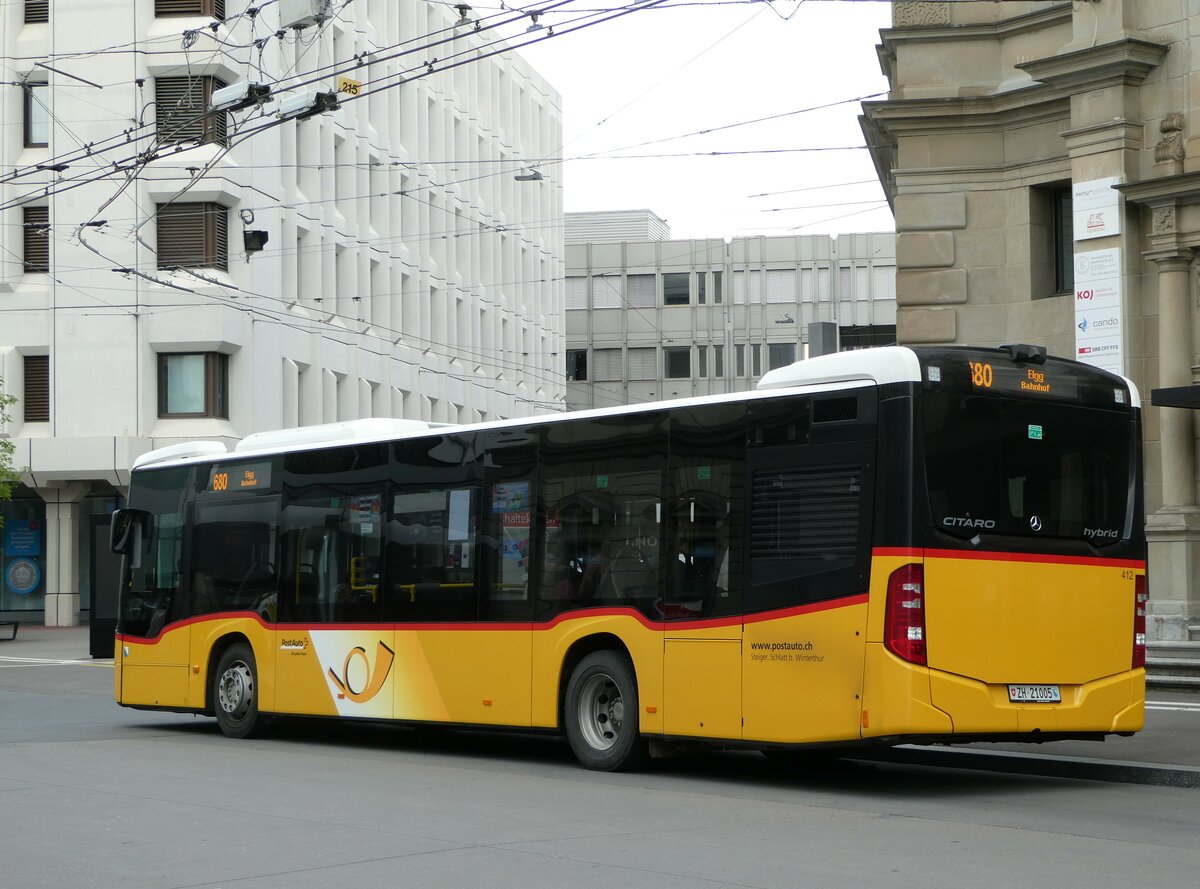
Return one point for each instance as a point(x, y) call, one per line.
point(901, 552)
point(457, 627)
point(829, 605)
point(1037, 558)
point(908, 552)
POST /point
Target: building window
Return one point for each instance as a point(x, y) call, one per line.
point(677, 362)
point(37, 115)
point(576, 365)
point(739, 360)
point(756, 359)
point(577, 293)
point(193, 384)
point(716, 288)
point(780, 355)
point(37, 12)
point(1051, 240)
point(640, 364)
point(607, 365)
point(212, 8)
point(193, 236)
point(36, 229)
point(1064, 241)
point(676, 288)
point(606, 292)
point(718, 361)
point(701, 282)
point(640, 291)
point(702, 362)
point(183, 106)
point(37, 389)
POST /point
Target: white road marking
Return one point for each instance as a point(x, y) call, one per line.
point(1181, 706)
point(51, 662)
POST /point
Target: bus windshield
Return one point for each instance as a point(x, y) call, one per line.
point(1007, 465)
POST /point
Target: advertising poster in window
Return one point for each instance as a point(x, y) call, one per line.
point(366, 514)
point(1098, 309)
point(22, 556)
point(512, 508)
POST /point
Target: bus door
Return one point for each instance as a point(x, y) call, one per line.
point(152, 637)
point(455, 668)
point(704, 569)
point(334, 655)
point(232, 573)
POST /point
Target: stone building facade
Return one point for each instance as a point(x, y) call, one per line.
point(1042, 159)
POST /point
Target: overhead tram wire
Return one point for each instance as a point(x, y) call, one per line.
point(430, 70)
point(416, 72)
point(129, 135)
point(220, 155)
point(475, 54)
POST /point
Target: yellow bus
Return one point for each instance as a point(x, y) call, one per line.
point(891, 545)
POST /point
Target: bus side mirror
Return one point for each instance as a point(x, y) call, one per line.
point(126, 532)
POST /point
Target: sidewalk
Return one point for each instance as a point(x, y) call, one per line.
point(1166, 752)
point(48, 643)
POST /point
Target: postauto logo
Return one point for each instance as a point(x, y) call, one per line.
point(369, 679)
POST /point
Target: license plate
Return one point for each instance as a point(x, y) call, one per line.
point(1034, 694)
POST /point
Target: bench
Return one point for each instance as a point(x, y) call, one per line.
point(10, 623)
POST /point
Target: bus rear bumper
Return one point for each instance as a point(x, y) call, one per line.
point(1110, 704)
point(906, 700)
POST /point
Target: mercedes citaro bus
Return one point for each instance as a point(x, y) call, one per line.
point(888, 545)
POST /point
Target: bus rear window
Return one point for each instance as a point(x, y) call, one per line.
point(1009, 466)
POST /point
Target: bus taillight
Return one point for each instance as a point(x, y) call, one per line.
point(1140, 597)
point(904, 628)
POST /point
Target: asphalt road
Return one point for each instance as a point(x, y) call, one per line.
point(93, 795)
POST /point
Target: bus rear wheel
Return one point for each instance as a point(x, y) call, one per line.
point(601, 713)
point(235, 692)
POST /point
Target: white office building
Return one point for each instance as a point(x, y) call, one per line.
point(406, 270)
point(649, 318)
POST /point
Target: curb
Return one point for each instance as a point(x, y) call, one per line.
point(1079, 768)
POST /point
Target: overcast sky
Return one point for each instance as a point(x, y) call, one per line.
point(662, 73)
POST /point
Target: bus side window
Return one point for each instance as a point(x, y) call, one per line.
point(431, 554)
point(602, 489)
point(331, 545)
point(704, 518)
point(810, 482)
point(234, 563)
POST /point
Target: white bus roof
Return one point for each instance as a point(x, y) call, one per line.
point(888, 364)
point(828, 373)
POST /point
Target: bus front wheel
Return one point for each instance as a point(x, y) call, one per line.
point(601, 713)
point(235, 692)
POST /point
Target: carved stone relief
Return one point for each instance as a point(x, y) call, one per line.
point(1170, 147)
point(1162, 221)
point(920, 15)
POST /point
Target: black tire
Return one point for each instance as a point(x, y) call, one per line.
point(601, 713)
point(235, 693)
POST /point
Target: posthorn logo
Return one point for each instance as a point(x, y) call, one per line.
point(359, 682)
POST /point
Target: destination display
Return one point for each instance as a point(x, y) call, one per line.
point(224, 479)
point(1022, 379)
point(994, 372)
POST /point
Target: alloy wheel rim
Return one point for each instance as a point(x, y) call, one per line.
point(601, 712)
point(235, 691)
